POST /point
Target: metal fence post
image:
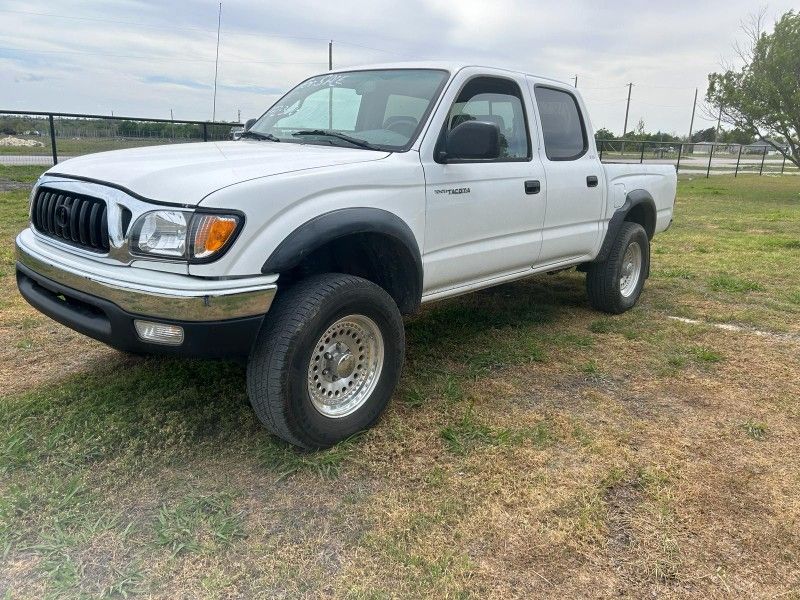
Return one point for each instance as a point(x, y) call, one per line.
point(783, 166)
point(53, 139)
point(678, 164)
point(763, 157)
point(710, 154)
point(641, 156)
point(738, 158)
point(602, 143)
point(205, 132)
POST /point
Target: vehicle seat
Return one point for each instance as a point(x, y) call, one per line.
point(556, 132)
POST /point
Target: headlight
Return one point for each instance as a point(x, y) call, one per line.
point(161, 233)
point(178, 234)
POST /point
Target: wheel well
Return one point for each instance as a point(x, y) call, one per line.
point(382, 259)
point(643, 214)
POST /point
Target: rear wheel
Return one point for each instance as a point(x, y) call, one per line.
point(615, 284)
point(327, 360)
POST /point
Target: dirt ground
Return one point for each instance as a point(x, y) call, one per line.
point(534, 449)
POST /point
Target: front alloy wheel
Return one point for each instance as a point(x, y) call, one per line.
point(327, 360)
point(346, 366)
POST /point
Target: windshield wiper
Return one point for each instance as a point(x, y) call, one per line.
point(259, 136)
point(335, 134)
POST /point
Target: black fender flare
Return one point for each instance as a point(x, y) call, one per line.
point(339, 223)
point(633, 199)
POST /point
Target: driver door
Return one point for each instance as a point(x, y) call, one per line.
point(484, 217)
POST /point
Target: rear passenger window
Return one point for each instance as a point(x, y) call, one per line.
point(562, 126)
point(498, 101)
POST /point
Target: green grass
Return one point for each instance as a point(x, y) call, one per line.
point(70, 147)
point(287, 461)
point(729, 283)
point(198, 524)
point(755, 430)
point(531, 443)
point(27, 174)
point(467, 434)
point(705, 354)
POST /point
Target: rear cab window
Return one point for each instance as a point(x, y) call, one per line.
point(563, 128)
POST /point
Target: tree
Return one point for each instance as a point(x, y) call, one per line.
point(704, 135)
point(762, 98)
point(736, 136)
point(604, 134)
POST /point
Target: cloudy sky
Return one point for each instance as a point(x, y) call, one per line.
point(143, 58)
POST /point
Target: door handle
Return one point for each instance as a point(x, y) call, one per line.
point(591, 181)
point(533, 186)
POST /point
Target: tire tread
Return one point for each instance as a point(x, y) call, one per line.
point(602, 284)
point(267, 371)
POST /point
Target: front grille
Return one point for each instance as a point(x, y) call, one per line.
point(72, 218)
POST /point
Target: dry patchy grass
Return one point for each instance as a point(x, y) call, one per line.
point(534, 448)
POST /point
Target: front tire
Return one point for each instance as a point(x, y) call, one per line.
point(615, 284)
point(326, 361)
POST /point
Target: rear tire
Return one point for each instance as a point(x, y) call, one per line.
point(326, 361)
point(615, 284)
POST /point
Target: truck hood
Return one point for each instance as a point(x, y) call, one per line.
point(187, 173)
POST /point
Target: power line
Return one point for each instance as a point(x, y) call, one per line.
point(615, 101)
point(239, 32)
point(372, 48)
point(662, 105)
point(604, 87)
point(144, 57)
point(99, 20)
point(638, 85)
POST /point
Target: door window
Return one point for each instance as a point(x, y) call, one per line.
point(562, 125)
point(498, 101)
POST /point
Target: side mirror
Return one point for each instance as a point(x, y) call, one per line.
point(472, 140)
point(249, 123)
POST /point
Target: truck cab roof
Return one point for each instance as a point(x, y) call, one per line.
point(452, 67)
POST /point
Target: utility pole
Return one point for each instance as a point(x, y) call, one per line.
point(216, 66)
point(627, 110)
point(576, 80)
point(625, 126)
point(330, 88)
point(691, 123)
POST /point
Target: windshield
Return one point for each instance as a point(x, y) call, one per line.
point(381, 110)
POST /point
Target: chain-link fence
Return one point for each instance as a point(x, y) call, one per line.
point(703, 158)
point(40, 138)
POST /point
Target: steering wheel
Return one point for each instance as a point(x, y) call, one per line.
point(404, 126)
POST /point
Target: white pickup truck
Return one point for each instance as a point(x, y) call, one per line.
point(356, 197)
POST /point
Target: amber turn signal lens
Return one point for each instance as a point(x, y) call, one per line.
point(212, 233)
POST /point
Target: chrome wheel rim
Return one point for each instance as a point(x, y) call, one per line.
point(631, 269)
point(345, 366)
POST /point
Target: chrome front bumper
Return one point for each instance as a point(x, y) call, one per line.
point(150, 293)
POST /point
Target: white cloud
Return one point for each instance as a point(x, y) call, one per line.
point(142, 57)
